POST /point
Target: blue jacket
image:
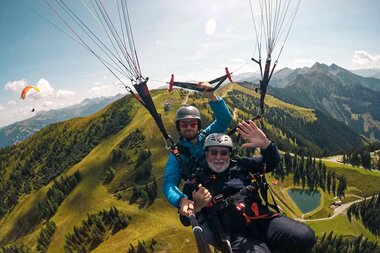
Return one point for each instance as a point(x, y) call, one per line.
point(172, 176)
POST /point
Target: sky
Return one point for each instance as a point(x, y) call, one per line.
point(194, 40)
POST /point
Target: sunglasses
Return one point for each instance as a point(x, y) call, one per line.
point(185, 124)
point(215, 152)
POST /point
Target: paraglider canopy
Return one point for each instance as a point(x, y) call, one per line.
point(27, 88)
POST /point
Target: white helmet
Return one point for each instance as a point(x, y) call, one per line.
point(219, 140)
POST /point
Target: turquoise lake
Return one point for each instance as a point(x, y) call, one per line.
point(306, 200)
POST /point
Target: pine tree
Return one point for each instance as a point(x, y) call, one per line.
point(328, 185)
point(349, 211)
point(344, 158)
point(366, 159)
point(288, 162)
point(333, 186)
point(131, 249)
point(141, 248)
point(342, 185)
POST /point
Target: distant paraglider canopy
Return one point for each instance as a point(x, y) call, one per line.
point(27, 88)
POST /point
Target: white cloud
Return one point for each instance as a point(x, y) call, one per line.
point(362, 57)
point(98, 89)
point(103, 90)
point(45, 88)
point(48, 105)
point(16, 85)
point(64, 94)
point(48, 98)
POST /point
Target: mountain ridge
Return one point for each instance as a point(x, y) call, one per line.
point(21, 130)
point(339, 93)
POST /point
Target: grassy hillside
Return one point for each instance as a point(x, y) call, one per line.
point(89, 145)
point(295, 129)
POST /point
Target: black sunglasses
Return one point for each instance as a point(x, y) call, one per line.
point(215, 152)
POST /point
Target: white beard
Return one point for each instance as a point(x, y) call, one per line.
point(218, 168)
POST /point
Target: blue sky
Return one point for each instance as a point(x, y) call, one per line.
point(194, 40)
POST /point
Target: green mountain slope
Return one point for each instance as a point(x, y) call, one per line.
point(296, 129)
point(110, 155)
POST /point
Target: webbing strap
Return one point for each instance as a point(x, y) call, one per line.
point(222, 234)
point(145, 99)
point(264, 194)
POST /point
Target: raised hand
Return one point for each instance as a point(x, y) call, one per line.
point(252, 135)
point(207, 94)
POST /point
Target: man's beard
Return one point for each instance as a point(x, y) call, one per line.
point(218, 168)
point(190, 138)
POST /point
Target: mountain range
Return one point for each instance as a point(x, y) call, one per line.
point(335, 91)
point(367, 72)
point(344, 95)
point(21, 130)
point(283, 76)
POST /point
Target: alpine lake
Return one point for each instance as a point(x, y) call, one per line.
point(306, 200)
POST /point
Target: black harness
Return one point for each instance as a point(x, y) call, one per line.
point(242, 199)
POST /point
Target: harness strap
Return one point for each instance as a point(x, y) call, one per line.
point(275, 206)
point(264, 194)
point(184, 167)
point(144, 98)
point(255, 209)
point(223, 234)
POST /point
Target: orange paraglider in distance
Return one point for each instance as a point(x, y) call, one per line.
point(26, 89)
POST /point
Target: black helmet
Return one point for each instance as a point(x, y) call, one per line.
point(188, 112)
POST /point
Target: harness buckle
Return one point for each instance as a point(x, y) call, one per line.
point(217, 198)
point(240, 206)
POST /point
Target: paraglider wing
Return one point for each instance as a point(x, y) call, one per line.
point(27, 88)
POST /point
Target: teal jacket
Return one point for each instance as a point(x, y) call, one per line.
point(172, 176)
